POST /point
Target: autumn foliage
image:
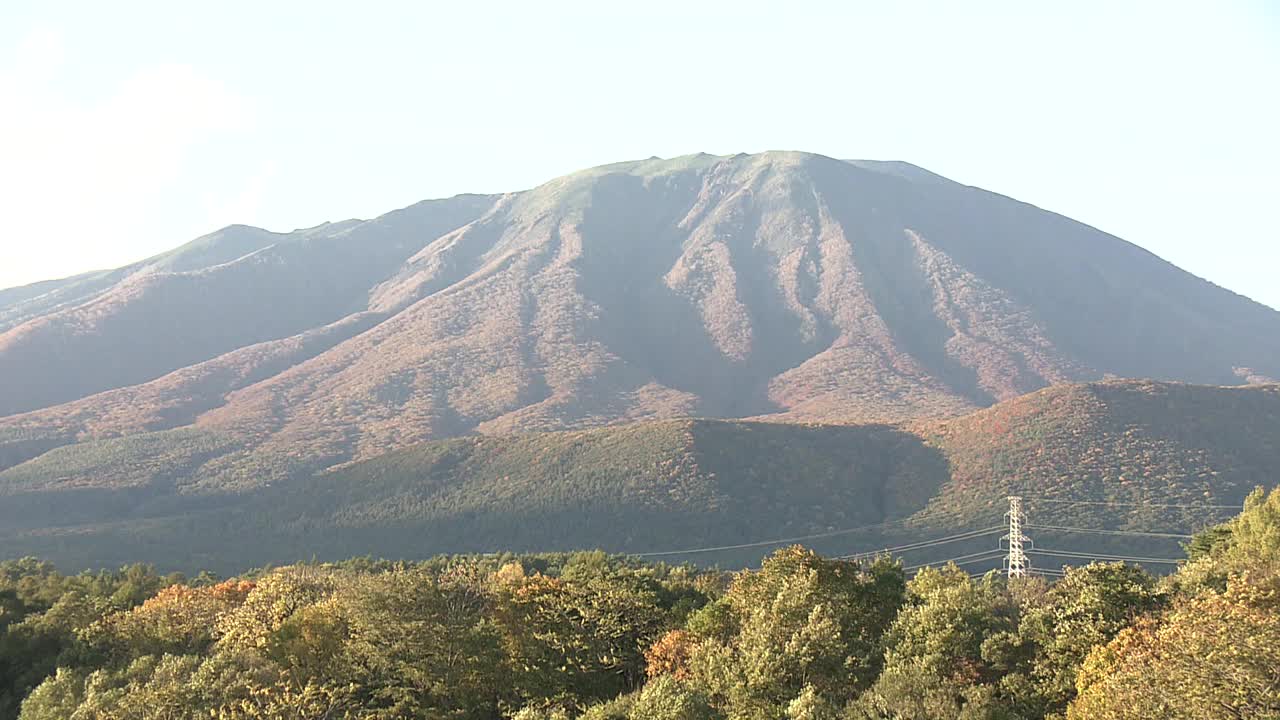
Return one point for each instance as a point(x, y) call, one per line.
point(602, 637)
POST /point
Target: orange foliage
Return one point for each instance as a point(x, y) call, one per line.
point(670, 655)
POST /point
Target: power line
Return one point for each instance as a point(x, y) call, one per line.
point(920, 517)
point(1096, 556)
point(927, 543)
point(780, 541)
point(1140, 505)
point(940, 541)
point(976, 557)
point(1059, 528)
point(968, 562)
point(966, 535)
point(765, 543)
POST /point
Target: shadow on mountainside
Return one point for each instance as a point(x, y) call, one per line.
point(633, 239)
point(650, 487)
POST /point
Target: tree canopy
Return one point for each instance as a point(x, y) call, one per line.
point(602, 637)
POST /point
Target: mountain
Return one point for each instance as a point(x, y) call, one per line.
point(783, 287)
point(780, 286)
point(1094, 456)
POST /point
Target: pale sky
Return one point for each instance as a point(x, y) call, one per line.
point(127, 128)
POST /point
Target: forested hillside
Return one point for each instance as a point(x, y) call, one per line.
point(1109, 456)
point(603, 637)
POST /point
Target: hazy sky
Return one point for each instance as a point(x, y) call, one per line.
point(127, 128)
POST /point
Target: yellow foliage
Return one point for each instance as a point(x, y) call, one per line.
point(1211, 657)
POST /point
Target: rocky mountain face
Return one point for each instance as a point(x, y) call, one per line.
point(779, 286)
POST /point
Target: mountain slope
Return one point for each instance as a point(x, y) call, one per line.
point(672, 485)
point(237, 287)
point(782, 286)
point(1131, 444)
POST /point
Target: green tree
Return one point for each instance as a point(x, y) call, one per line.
point(937, 657)
point(422, 646)
point(810, 705)
point(273, 600)
point(32, 649)
point(580, 641)
point(1249, 543)
point(177, 620)
point(1211, 657)
point(801, 621)
point(666, 698)
point(1058, 629)
point(1215, 653)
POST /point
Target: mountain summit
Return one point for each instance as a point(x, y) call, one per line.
point(782, 285)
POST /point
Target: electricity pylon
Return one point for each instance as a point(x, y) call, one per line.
point(1016, 565)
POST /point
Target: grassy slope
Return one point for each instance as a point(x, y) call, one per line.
point(686, 483)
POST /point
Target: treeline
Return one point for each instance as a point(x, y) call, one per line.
point(601, 637)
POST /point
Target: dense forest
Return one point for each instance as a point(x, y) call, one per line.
point(1100, 456)
point(605, 637)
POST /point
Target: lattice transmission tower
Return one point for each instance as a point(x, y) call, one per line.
point(1016, 564)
